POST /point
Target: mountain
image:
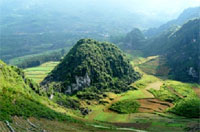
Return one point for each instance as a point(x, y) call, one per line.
point(186, 15)
point(180, 46)
point(19, 96)
point(92, 64)
point(134, 40)
point(184, 52)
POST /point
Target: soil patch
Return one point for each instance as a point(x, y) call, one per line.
point(197, 91)
point(155, 85)
point(151, 105)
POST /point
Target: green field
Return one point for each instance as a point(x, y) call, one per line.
point(40, 72)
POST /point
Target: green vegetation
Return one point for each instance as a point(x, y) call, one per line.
point(144, 81)
point(125, 106)
point(175, 46)
point(14, 105)
point(39, 73)
point(155, 66)
point(188, 107)
point(37, 59)
point(33, 45)
point(172, 91)
point(101, 64)
point(185, 100)
point(17, 97)
point(66, 101)
point(133, 40)
point(184, 61)
point(180, 47)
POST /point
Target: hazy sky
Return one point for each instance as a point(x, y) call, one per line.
point(170, 8)
point(161, 9)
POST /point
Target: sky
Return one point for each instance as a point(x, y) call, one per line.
point(163, 10)
point(168, 8)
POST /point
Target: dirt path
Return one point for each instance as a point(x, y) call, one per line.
point(155, 85)
point(197, 91)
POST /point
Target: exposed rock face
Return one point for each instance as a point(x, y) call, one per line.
point(81, 83)
point(51, 97)
point(192, 72)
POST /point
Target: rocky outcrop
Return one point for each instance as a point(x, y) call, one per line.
point(192, 72)
point(81, 83)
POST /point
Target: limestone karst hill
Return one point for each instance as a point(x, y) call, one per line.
point(90, 63)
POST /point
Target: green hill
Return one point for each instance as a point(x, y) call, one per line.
point(180, 47)
point(134, 40)
point(98, 65)
point(18, 97)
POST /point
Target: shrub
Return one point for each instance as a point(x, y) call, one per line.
point(125, 106)
point(26, 107)
point(188, 107)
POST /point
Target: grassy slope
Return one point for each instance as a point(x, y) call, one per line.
point(40, 72)
point(17, 98)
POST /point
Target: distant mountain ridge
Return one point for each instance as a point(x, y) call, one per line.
point(181, 47)
point(186, 15)
point(178, 44)
point(184, 54)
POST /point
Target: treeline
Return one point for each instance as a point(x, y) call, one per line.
point(38, 59)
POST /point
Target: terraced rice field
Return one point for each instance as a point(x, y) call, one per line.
point(40, 72)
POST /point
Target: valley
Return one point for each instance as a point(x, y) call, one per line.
point(99, 66)
point(152, 114)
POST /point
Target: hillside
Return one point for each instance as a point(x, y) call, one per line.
point(178, 45)
point(98, 65)
point(133, 40)
point(19, 97)
point(181, 49)
point(183, 52)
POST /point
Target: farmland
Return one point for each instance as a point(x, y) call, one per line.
point(40, 72)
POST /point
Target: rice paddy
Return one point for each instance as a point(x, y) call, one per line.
point(40, 72)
